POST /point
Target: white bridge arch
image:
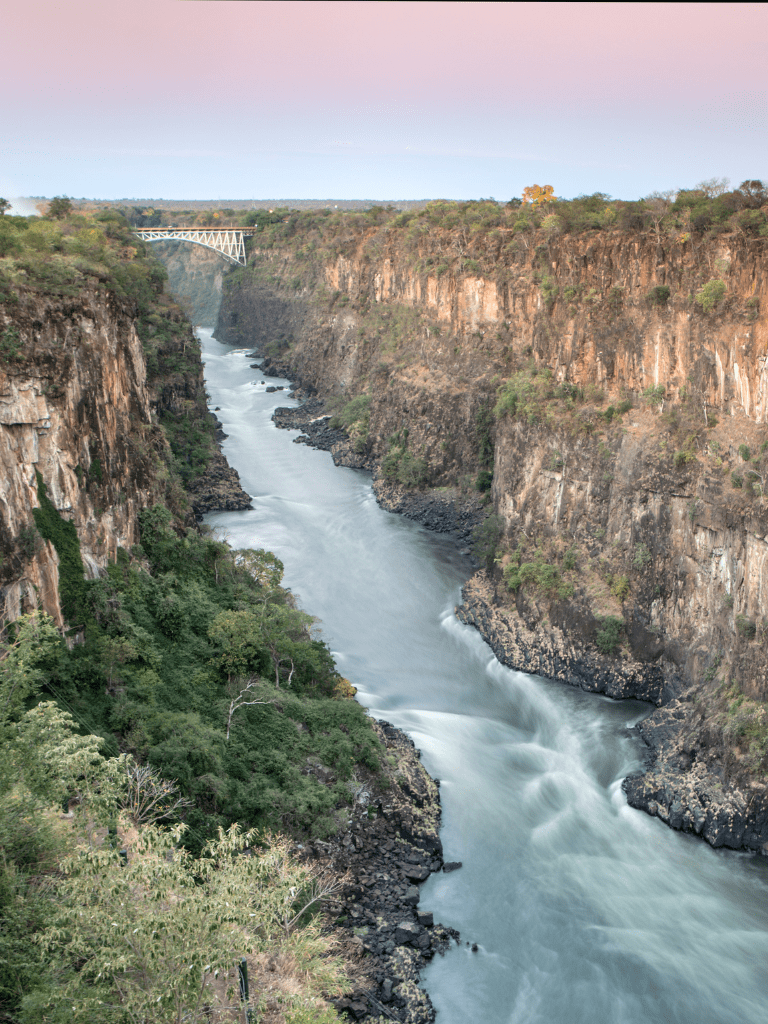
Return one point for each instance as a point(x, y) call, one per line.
point(230, 242)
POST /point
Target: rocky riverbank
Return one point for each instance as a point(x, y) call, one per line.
point(443, 510)
point(683, 782)
point(219, 488)
point(391, 846)
point(547, 649)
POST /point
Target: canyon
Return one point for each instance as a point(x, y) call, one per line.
point(587, 413)
point(622, 417)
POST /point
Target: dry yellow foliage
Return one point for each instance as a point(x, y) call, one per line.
point(536, 195)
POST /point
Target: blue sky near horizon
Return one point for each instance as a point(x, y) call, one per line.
point(179, 100)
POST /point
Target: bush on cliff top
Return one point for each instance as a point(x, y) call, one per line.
point(62, 255)
point(484, 236)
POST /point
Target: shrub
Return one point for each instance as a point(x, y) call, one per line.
point(484, 480)
point(744, 452)
point(485, 539)
point(411, 471)
point(401, 466)
point(540, 573)
point(615, 298)
point(684, 456)
point(10, 347)
point(549, 292)
point(658, 296)
point(737, 480)
point(711, 294)
point(642, 556)
point(655, 394)
point(620, 587)
point(746, 628)
point(608, 634)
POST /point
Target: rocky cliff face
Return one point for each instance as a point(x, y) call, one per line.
point(628, 543)
point(75, 408)
point(78, 414)
point(195, 276)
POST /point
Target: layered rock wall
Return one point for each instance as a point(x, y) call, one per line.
point(660, 506)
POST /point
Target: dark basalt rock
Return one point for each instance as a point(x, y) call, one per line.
point(455, 514)
point(218, 489)
point(387, 845)
point(314, 421)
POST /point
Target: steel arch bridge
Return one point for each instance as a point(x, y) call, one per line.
point(230, 242)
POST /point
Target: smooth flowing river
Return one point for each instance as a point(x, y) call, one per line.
point(584, 910)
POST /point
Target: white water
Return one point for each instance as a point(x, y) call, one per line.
point(584, 909)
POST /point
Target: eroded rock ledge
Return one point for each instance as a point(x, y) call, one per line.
point(684, 781)
point(546, 650)
point(684, 784)
point(218, 489)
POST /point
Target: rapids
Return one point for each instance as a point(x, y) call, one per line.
point(584, 910)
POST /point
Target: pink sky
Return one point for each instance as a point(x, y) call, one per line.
point(378, 99)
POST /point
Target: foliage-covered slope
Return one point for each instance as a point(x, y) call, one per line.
point(189, 684)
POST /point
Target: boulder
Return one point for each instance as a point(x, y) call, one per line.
point(411, 896)
point(415, 872)
point(407, 931)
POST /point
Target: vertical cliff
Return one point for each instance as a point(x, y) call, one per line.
point(102, 404)
point(75, 409)
point(195, 278)
point(609, 387)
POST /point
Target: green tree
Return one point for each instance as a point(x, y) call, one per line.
point(281, 631)
point(59, 207)
point(150, 937)
point(4, 206)
point(28, 640)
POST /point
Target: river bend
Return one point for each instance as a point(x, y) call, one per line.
point(585, 911)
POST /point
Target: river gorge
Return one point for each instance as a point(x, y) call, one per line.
point(582, 908)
